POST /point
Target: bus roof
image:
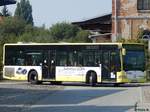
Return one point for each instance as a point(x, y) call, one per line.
point(34, 44)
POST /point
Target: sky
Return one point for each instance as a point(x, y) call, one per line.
point(50, 12)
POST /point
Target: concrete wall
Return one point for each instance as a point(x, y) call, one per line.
point(130, 20)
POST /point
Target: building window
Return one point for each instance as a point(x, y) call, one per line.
point(143, 4)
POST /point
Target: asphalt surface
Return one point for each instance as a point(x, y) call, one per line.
point(23, 97)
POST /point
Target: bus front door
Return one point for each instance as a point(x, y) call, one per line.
point(48, 67)
point(52, 64)
point(106, 66)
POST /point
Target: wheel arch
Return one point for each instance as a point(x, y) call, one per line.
point(88, 75)
point(32, 71)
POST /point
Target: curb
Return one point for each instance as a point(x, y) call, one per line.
point(142, 107)
point(144, 104)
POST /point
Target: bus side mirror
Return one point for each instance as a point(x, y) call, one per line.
point(123, 51)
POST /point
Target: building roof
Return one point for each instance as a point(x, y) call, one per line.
point(102, 23)
point(7, 2)
point(99, 19)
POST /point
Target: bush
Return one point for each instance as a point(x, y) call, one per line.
point(63, 30)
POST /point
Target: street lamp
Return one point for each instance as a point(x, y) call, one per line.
point(147, 38)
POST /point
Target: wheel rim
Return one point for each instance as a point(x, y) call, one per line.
point(33, 77)
point(90, 79)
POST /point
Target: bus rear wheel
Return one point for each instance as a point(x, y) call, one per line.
point(92, 79)
point(116, 84)
point(33, 77)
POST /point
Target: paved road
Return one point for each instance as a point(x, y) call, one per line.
point(23, 97)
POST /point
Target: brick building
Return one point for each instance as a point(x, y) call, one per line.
point(100, 27)
point(130, 17)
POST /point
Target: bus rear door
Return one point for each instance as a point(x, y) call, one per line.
point(108, 75)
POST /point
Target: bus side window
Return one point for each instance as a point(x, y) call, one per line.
point(61, 58)
point(19, 61)
point(80, 59)
point(115, 61)
point(29, 60)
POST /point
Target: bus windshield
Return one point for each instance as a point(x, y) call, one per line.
point(134, 60)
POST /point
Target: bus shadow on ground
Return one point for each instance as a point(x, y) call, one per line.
point(77, 96)
point(84, 108)
point(58, 101)
point(100, 85)
point(10, 96)
point(72, 109)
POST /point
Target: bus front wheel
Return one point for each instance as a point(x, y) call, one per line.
point(92, 78)
point(33, 77)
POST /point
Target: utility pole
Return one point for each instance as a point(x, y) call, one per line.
point(115, 22)
point(148, 44)
point(147, 38)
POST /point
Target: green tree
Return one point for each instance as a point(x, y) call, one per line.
point(5, 11)
point(63, 30)
point(24, 11)
point(12, 26)
point(82, 36)
point(36, 34)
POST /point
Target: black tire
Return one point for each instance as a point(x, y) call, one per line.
point(39, 82)
point(116, 85)
point(56, 82)
point(92, 79)
point(33, 77)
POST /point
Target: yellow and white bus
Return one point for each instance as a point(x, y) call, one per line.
point(75, 62)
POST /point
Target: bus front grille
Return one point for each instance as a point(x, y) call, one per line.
point(9, 72)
